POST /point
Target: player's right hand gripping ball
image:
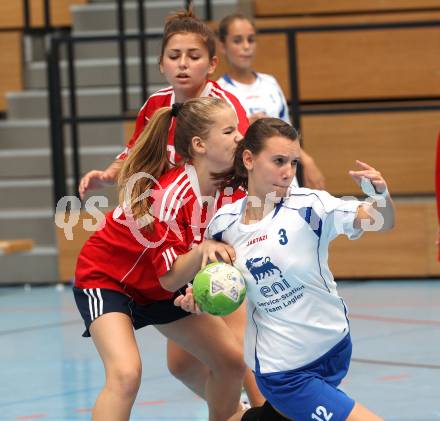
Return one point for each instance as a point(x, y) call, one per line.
point(219, 288)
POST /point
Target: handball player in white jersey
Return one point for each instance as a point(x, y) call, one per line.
point(259, 93)
point(297, 338)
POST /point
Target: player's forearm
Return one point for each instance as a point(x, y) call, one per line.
point(312, 175)
point(184, 270)
point(387, 212)
point(305, 157)
point(376, 216)
point(112, 171)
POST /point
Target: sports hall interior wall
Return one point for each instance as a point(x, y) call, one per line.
point(361, 69)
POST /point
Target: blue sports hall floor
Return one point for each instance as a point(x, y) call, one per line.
point(49, 372)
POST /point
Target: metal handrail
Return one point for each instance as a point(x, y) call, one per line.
point(56, 109)
point(27, 27)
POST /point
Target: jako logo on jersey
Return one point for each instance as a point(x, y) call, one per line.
point(259, 267)
point(256, 240)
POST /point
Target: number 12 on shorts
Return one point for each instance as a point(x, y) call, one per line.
point(321, 414)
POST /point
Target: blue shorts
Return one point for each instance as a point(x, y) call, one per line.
point(310, 392)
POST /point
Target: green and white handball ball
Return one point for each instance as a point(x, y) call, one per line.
point(219, 288)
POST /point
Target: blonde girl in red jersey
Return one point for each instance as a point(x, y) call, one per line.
point(117, 288)
point(187, 60)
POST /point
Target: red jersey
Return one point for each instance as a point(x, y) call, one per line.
point(129, 259)
point(166, 98)
point(183, 216)
point(114, 258)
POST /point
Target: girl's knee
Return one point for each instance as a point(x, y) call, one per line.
point(125, 380)
point(182, 365)
point(232, 361)
point(178, 368)
point(239, 366)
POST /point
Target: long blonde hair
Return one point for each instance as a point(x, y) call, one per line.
point(149, 154)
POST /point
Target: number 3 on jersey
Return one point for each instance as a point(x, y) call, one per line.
point(321, 414)
point(283, 237)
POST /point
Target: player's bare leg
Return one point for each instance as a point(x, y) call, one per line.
point(237, 416)
point(209, 340)
point(360, 413)
point(114, 339)
point(187, 368)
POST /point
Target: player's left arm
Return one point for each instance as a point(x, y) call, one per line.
point(186, 266)
point(373, 184)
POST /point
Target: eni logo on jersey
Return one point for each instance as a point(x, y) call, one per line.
point(256, 240)
point(259, 267)
point(277, 292)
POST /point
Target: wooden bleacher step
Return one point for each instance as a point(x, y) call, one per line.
point(16, 246)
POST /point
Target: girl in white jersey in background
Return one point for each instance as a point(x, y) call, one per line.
point(259, 93)
point(297, 336)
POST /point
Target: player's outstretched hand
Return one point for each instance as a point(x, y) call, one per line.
point(213, 251)
point(94, 179)
point(370, 173)
point(187, 302)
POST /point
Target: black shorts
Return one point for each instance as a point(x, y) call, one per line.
point(263, 413)
point(94, 302)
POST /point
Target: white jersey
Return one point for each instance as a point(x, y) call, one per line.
point(294, 313)
point(264, 95)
